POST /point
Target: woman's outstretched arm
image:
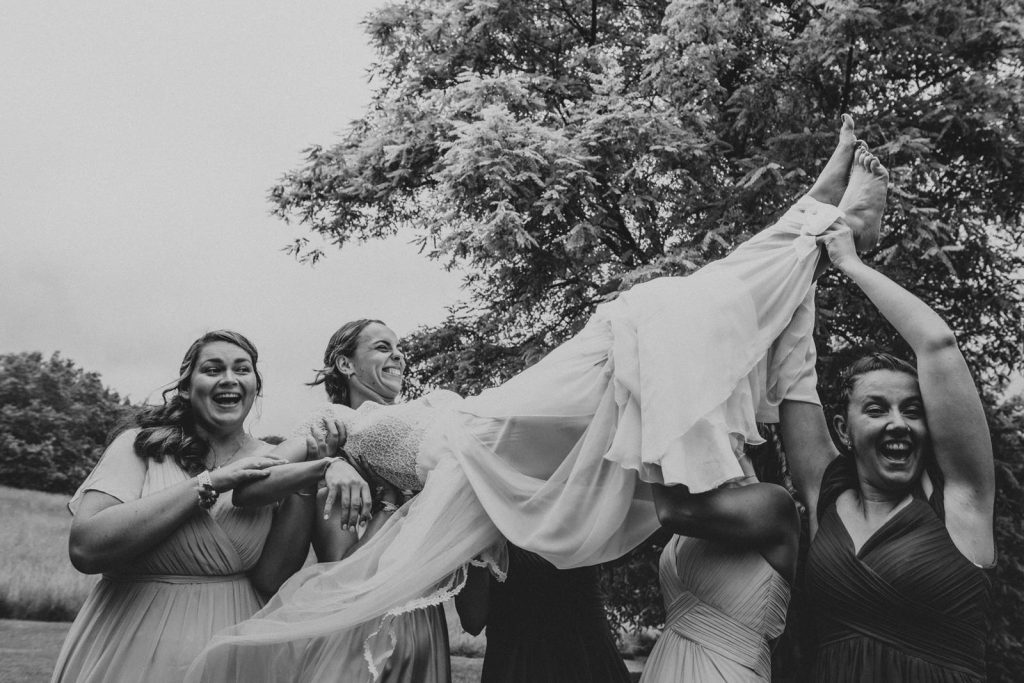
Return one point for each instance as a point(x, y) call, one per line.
point(759, 516)
point(955, 415)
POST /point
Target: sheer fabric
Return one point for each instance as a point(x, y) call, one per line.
point(149, 620)
point(663, 385)
point(723, 606)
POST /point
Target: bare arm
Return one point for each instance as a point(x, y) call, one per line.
point(287, 544)
point(809, 450)
point(956, 419)
point(759, 516)
point(106, 532)
point(308, 464)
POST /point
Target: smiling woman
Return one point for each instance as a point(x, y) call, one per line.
point(902, 519)
point(363, 371)
point(179, 561)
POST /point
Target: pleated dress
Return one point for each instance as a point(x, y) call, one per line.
point(908, 606)
point(148, 620)
point(663, 385)
point(547, 625)
point(723, 607)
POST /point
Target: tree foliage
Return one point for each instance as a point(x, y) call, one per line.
point(558, 151)
point(54, 421)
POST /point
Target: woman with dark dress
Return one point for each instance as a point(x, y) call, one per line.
point(544, 624)
point(901, 521)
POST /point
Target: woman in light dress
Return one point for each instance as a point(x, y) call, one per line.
point(363, 368)
point(155, 518)
point(662, 387)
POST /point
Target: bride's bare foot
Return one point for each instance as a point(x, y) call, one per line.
point(831, 183)
point(864, 199)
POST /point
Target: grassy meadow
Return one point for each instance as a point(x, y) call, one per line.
point(37, 580)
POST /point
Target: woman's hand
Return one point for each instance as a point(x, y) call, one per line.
point(386, 491)
point(839, 244)
point(335, 436)
point(351, 491)
point(243, 471)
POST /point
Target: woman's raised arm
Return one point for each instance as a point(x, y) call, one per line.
point(956, 418)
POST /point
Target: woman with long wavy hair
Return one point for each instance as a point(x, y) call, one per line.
point(155, 517)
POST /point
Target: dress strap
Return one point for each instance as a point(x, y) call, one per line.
point(715, 630)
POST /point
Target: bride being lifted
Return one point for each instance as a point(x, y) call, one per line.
point(663, 386)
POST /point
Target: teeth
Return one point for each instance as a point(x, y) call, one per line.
point(393, 371)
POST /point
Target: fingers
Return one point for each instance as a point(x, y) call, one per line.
point(332, 437)
point(364, 513)
point(312, 448)
point(351, 515)
point(344, 499)
point(342, 430)
point(332, 494)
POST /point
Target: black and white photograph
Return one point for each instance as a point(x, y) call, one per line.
point(493, 341)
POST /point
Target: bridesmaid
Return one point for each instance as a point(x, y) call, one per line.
point(363, 369)
point(155, 517)
point(544, 625)
point(902, 518)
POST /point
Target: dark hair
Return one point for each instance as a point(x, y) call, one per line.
point(170, 428)
point(343, 343)
point(862, 366)
point(842, 472)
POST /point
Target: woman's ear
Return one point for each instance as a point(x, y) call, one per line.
point(839, 424)
point(343, 365)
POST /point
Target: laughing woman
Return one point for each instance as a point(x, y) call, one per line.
point(155, 517)
point(901, 520)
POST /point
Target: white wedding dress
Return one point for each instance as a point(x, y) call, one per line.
point(664, 385)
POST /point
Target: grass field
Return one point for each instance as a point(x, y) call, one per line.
point(28, 650)
point(37, 580)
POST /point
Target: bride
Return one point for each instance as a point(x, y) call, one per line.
point(664, 385)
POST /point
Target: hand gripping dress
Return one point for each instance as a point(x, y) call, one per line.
point(723, 608)
point(908, 606)
point(664, 384)
point(148, 620)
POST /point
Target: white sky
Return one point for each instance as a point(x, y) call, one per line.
point(137, 144)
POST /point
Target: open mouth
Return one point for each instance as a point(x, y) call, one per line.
point(897, 451)
point(392, 372)
point(228, 399)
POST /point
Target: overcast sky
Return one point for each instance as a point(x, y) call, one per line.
point(137, 145)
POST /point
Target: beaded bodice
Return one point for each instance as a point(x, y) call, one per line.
point(387, 437)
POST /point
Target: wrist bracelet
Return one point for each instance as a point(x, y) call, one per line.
point(207, 495)
point(328, 462)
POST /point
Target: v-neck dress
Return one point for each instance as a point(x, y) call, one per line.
point(908, 606)
point(149, 619)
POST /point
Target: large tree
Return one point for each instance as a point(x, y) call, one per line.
point(559, 151)
point(55, 419)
